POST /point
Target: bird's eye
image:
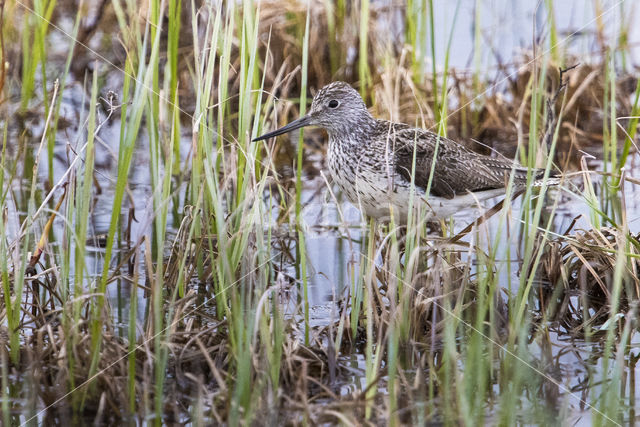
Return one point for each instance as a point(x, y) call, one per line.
point(333, 103)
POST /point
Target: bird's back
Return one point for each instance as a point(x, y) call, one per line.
point(456, 169)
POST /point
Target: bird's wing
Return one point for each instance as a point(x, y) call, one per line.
point(457, 170)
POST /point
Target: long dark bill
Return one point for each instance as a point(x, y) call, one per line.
point(296, 124)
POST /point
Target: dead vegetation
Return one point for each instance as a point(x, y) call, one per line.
point(578, 272)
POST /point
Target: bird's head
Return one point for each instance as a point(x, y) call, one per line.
point(337, 107)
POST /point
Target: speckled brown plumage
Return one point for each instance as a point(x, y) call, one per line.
point(457, 170)
point(371, 160)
